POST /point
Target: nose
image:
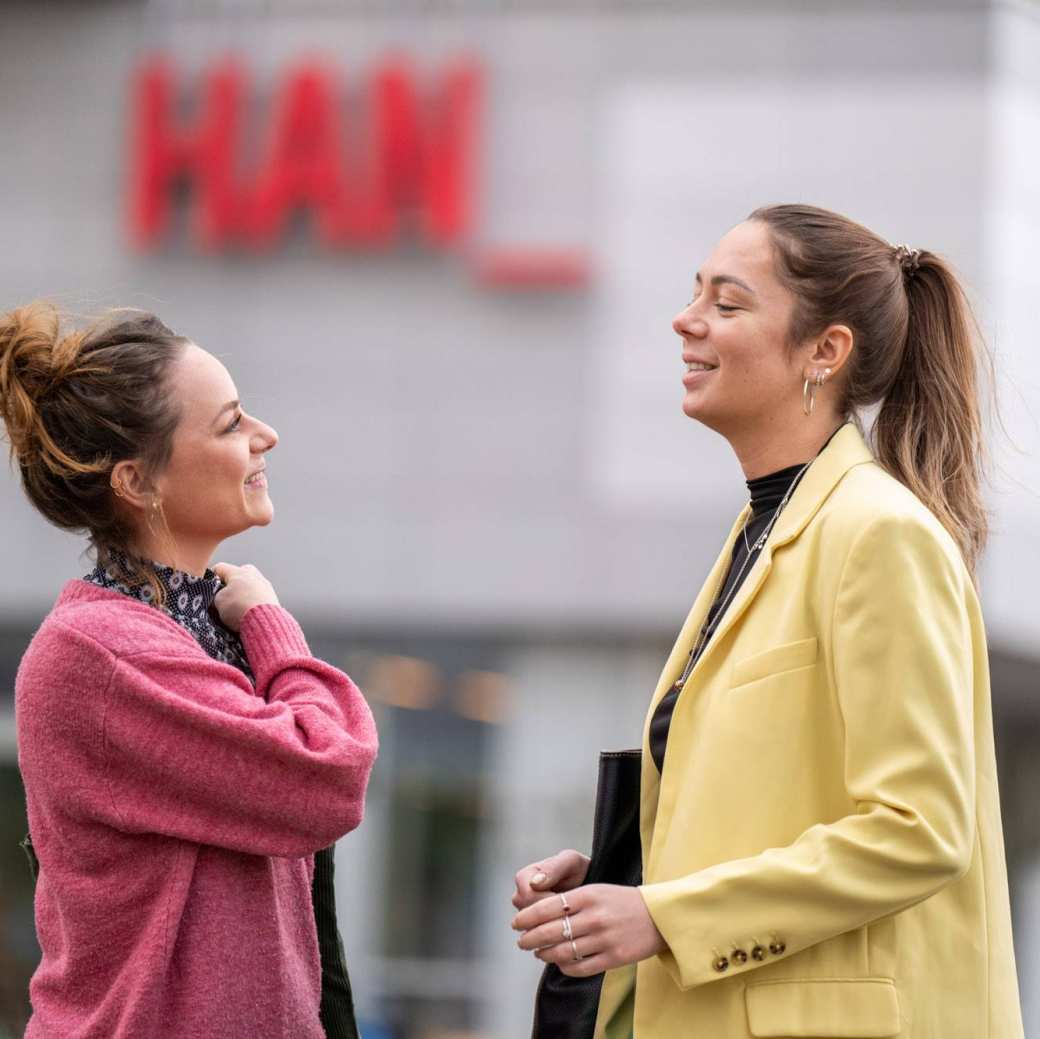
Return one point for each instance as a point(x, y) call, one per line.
point(687, 323)
point(264, 439)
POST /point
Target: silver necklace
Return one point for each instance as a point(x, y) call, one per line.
point(708, 630)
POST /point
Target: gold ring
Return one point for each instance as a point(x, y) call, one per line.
point(568, 932)
point(563, 899)
point(577, 955)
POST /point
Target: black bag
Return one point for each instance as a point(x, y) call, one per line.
point(566, 1008)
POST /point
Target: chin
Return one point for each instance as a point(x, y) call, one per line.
point(692, 408)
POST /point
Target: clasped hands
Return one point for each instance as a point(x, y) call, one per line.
point(610, 925)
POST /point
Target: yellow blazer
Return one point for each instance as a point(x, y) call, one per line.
point(823, 851)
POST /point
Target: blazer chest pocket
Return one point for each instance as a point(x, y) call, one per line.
point(786, 657)
point(824, 1008)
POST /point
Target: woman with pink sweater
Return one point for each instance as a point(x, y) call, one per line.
point(187, 762)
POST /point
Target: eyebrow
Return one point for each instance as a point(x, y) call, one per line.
point(230, 406)
point(726, 279)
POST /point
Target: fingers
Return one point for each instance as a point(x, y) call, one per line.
point(530, 885)
point(583, 968)
point(564, 870)
point(559, 931)
point(588, 961)
point(567, 930)
point(522, 901)
point(223, 570)
point(548, 908)
point(559, 872)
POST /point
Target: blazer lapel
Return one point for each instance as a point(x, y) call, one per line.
point(651, 778)
point(847, 449)
point(695, 618)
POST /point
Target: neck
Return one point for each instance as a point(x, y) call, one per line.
point(191, 557)
point(762, 451)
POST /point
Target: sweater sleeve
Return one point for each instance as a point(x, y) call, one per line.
point(903, 675)
point(192, 751)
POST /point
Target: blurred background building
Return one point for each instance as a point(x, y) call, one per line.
point(490, 508)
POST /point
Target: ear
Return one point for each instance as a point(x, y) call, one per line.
point(831, 351)
point(131, 485)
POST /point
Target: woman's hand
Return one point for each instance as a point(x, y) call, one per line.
point(609, 926)
point(244, 588)
point(562, 872)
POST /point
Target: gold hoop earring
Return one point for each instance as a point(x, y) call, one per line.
point(809, 389)
point(808, 398)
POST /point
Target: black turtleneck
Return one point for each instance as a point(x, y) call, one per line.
point(766, 493)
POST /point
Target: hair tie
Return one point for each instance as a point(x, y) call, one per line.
point(909, 259)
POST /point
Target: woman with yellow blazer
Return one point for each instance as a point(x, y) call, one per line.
point(822, 846)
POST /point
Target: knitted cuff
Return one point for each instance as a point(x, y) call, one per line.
point(270, 634)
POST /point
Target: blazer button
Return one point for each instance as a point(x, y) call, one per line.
point(739, 956)
point(777, 948)
point(721, 964)
point(758, 953)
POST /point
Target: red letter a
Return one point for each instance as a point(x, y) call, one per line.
point(161, 152)
point(303, 166)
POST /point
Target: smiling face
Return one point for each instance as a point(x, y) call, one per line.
point(213, 486)
point(740, 372)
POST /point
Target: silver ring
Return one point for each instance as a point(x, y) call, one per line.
point(577, 955)
point(563, 898)
point(568, 931)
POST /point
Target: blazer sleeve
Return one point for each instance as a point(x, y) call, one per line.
point(191, 750)
point(903, 672)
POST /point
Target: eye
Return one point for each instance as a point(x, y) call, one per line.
point(725, 308)
point(234, 425)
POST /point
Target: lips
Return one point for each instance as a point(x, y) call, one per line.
point(689, 360)
point(694, 374)
point(258, 479)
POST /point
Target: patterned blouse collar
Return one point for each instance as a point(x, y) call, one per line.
point(189, 601)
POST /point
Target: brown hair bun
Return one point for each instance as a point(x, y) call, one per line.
point(34, 359)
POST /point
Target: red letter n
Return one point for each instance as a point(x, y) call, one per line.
point(424, 161)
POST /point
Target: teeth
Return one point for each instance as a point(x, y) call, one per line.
point(696, 366)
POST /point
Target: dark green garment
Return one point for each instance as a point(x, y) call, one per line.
point(337, 1002)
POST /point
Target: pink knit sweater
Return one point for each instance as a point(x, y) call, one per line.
point(175, 811)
